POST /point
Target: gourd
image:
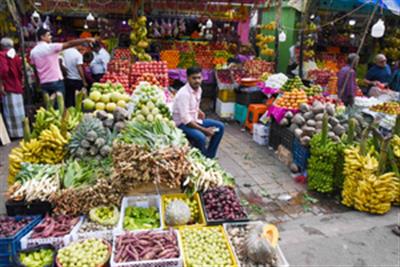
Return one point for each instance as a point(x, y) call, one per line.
point(261, 244)
point(177, 213)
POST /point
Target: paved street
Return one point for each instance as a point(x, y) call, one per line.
point(314, 230)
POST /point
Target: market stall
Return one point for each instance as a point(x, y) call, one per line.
point(115, 178)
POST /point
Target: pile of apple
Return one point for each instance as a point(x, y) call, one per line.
point(157, 68)
point(122, 53)
point(255, 68)
point(106, 101)
point(119, 66)
point(323, 100)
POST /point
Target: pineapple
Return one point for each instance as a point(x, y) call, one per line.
point(90, 138)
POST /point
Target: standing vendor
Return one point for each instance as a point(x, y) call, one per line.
point(346, 83)
point(191, 120)
point(99, 63)
point(378, 76)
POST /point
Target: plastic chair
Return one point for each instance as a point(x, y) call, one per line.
point(254, 114)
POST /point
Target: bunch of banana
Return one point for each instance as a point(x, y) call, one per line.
point(375, 193)
point(396, 145)
point(74, 118)
point(29, 151)
point(44, 118)
point(53, 145)
point(354, 169)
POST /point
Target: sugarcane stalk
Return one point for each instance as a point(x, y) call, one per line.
point(383, 156)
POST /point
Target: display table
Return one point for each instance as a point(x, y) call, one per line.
point(180, 74)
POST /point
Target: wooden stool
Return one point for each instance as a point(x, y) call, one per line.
point(254, 114)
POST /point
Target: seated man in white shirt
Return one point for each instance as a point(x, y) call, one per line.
point(191, 120)
point(99, 62)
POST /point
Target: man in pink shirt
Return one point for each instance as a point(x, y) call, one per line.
point(191, 120)
point(45, 57)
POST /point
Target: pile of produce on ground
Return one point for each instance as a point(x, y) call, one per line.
point(222, 203)
point(76, 201)
point(90, 252)
point(90, 139)
point(322, 162)
point(140, 146)
point(206, 246)
point(47, 115)
point(367, 185)
point(50, 147)
point(205, 173)
point(9, 226)
point(106, 101)
point(35, 182)
point(254, 243)
point(149, 103)
point(146, 245)
point(308, 122)
point(137, 218)
point(40, 256)
point(115, 121)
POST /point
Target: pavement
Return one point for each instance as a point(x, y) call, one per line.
point(315, 230)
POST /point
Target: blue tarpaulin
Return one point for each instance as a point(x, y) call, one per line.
point(345, 5)
point(392, 5)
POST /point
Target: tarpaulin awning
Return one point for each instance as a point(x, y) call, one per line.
point(392, 5)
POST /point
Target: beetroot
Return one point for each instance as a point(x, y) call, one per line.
point(9, 226)
point(222, 203)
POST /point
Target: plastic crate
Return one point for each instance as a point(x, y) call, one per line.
point(196, 197)
point(261, 140)
point(280, 136)
point(9, 246)
point(138, 201)
point(274, 138)
point(15, 208)
point(57, 242)
point(199, 228)
point(174, 262)
point(240, 113)
point(224, 110)
point(287, 138)
point(282, 262)
point(300, 154)
point(103, 234)
point(220, 222)
point(250, 95)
